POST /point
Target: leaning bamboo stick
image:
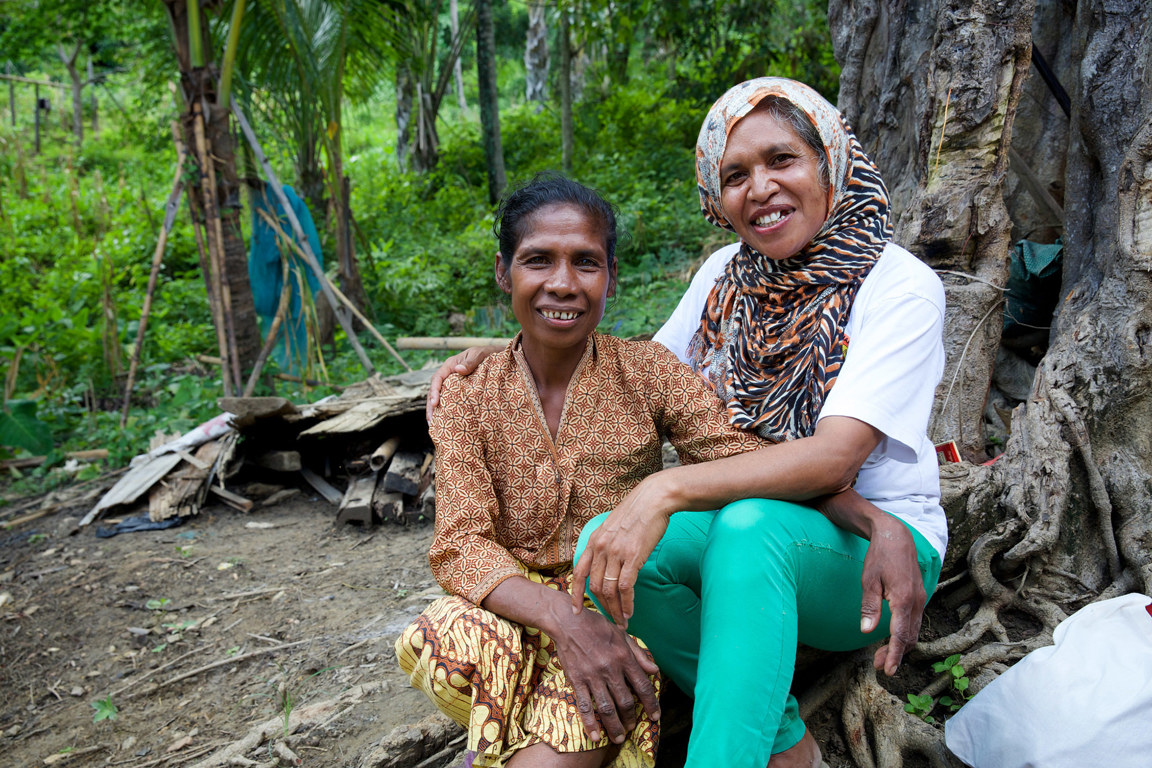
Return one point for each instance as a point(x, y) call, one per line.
point(309, 258)
point(157, 257)
point(212, 211)
point(273, 332)
point(215, 249)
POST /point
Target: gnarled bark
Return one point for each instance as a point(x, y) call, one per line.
point(1065, 516)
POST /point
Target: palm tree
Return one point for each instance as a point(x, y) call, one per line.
point(299, 58)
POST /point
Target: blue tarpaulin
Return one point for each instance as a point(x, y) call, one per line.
point(266, 273)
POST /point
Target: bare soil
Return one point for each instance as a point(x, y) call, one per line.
point(291, 608)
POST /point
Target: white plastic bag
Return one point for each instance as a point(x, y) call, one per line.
point(1085, 701)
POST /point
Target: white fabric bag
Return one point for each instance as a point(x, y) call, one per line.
point(1085, 701)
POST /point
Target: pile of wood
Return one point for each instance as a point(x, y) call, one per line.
point(366, 452)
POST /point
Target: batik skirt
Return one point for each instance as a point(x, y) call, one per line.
point(503, 682)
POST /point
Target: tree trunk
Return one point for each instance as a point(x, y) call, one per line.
point(567, 139)
point(536, 56)
point(1065, 516)
point(69, 60)
point(489, 104)
point(198, 85)
point(404, 89)
point(95, 101)
point(457, 68)
point(933, 95)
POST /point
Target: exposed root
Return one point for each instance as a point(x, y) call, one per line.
point(301, 717)
point(893, 731)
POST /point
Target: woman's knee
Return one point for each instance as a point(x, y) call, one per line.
point(755, 524)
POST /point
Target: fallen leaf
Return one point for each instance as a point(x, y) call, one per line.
point(180, 743)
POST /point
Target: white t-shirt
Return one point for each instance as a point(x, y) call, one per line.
point(888, 379)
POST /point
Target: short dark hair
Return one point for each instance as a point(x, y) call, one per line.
point(549, 188)
point(791, 115)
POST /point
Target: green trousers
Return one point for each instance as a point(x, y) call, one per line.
point(722, 602)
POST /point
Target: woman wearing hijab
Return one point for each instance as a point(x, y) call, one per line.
point(822, 335)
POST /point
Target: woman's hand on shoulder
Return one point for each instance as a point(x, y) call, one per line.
point(609, 672)
point(464, 364)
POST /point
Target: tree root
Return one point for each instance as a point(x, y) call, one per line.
point(301, 717)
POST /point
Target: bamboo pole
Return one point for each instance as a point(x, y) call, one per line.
point(216, 222)
point(215, 250)
point(30, 81)
point(448, 342)
point(157, 257)
point(306, 250)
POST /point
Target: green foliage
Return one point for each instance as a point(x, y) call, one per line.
point(78, 225)
point(105, 709)
point(957, 681)
point(19, 428)
point(921, 706)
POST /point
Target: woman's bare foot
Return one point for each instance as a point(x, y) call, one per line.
point(805, 754)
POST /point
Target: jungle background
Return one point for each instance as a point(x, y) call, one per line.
point(991, 122)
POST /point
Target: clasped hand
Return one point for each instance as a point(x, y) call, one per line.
point(608, 671)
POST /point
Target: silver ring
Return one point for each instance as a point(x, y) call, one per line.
point(609, 578)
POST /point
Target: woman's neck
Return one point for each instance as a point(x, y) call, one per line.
point(552, 371)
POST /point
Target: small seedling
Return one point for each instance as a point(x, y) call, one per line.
point(105, 709)
point(157, 605)
point(36, 538)
point(921, 706)
point(184, 551)
point(958, 682)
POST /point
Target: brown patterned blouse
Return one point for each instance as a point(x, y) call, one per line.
point(506, 493)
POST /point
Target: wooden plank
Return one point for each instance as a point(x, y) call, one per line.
point(234, 500)
point(427, 502)
point(403, 474)
point(449, 342)
point(133, 484)
point(280, 461)
point(248, 409)
point(182, 491)
point(356, 506)
point(389, 506)
point(322, 486)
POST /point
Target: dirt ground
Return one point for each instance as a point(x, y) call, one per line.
point(229, 638)
point(280, 609)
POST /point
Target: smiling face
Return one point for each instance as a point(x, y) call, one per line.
point(559, 278)
point(770, 186)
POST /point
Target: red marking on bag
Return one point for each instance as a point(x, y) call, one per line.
point(1148, 608)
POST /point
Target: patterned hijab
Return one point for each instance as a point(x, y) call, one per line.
point(772, 335)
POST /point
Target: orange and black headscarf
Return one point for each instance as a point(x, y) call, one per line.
point(772, 335)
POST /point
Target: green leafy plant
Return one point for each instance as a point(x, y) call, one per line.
point(105, 709)
point(157, 604)
point(921, 706)
point(958, 682)
point(19, 428)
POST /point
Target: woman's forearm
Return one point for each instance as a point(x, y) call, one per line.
point(804, 469)
point(529, 603)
